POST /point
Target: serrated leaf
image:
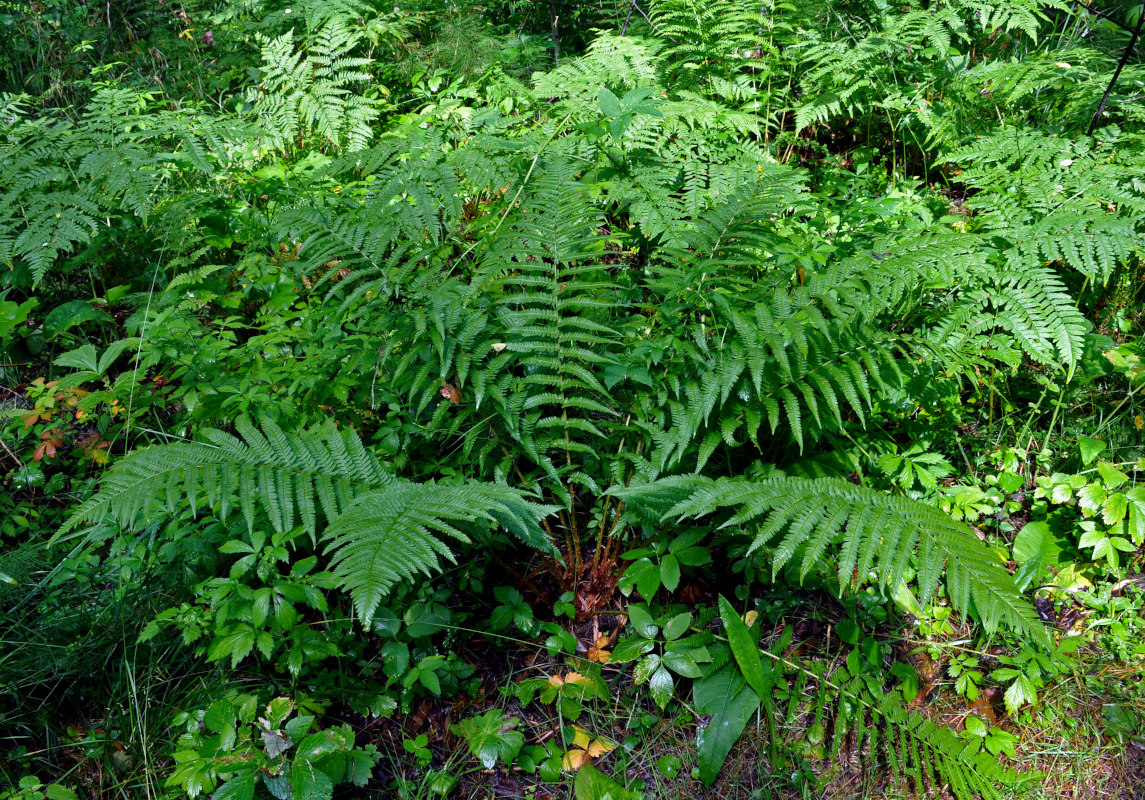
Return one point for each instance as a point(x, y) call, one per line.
point(1111, 475)
point(492, 738)
point(661, 685)
point(629, 650)
point(642, 621)
point(677, 626)
point(1114, 508)
point(1019, 693)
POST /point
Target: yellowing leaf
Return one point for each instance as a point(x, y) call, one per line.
point(581, 737)
point(574, 760)
point(600, 747)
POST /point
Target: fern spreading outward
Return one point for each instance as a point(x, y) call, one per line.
point(802, 518)
point(379, 529)
point(931, 757)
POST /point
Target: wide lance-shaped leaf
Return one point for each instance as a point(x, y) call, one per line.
point(745, 651)
point(725, 695)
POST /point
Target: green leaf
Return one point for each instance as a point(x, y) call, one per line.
point(53, 791)
point(1091, 497)
point(1114, 508)
point(1090, 449)
point(68, 315)
point(629, 650)
point(492, 738)
point(644, 670)
point(321, 743)
point(592, 784)
point(677, 626)
point(1111, 475)
point(669, 572)
point(647, 577)
point(661, 685)
point(683, 663)
point(609, 103)
point(220, 716)
point(642, 621)
point(669, 766)
point(310, 783)
point(1032, 542)
point(745, 650)
point(240, 788)
point(1021, 691)
point(725, 696)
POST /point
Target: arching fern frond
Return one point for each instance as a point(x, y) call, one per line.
point(392, 535)
point(289, 477)
point(380, 529)
point(800, 518)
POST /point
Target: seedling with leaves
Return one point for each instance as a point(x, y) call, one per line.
point(492, 737)
point(569, 691)
point(662, 564)
point(661, 648)
point(230, 749)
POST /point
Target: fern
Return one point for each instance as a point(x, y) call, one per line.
point(872, 531)
point(875, 724)
point(380, 529)
point(308, 90)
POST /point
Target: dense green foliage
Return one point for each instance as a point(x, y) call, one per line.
point(347, 351)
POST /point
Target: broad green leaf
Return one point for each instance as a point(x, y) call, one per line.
point(629, 650)
point(745, 651)
point(1111, 475)
point(1021, 691)
point(68, 315)
point(1090, 498)
point(642, 621)
point(1032, 542)
point(683, 663)
point(310, 783)
point(240, 788)
point(319, 744)
point(1114, 508)
point(492, 738)
point(1090, 449)
point(661, 685)
point(592, 784)
point(670, 572)
point(725, 696)
point(609, 103)
point(646, 668)
point(220, 716)
point(677, 626)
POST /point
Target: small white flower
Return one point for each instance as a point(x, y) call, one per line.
point(1065, 162)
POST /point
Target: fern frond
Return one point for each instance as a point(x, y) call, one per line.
point(801, 518)
point(289, 477)
point(392, 535)
point(380, 529)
